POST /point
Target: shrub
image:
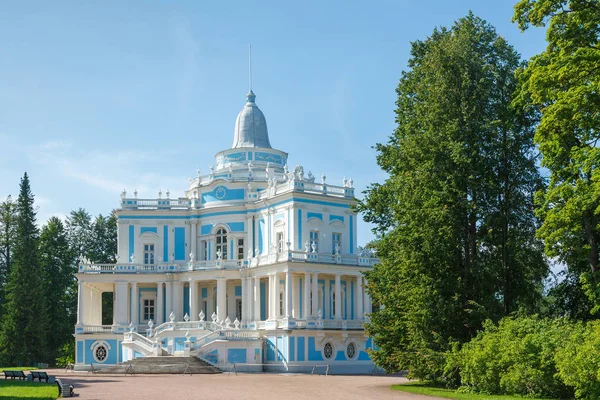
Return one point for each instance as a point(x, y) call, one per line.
point(578, 360)
point(515, 357)
point(67, 354)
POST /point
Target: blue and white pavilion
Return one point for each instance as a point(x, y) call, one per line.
point(257, 264)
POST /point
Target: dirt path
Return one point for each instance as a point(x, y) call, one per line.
point(231, 387)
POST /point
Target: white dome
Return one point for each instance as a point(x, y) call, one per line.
point(251, 126)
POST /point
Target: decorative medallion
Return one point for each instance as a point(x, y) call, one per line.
point(351, 351)
point(328, 350)
point(100, 353)
point(221, 192)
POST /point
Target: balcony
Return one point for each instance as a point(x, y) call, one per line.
point(275, 188)
point(262, 260)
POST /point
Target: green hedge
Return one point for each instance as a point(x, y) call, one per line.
point(534, 357)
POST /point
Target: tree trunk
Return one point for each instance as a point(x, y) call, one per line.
point(591, 233)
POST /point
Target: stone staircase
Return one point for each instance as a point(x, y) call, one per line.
point(163, 365)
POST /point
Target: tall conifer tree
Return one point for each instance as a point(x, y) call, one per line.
point(24, 323)
point(455, 217)
point(58, 264)
point(8, 215)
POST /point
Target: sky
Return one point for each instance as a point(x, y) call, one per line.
point(101, 96)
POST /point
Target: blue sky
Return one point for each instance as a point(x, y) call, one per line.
point(100, 96)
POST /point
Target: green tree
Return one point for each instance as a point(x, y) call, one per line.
point(103, 235)
point(57, 261)
point(103, 250)
point(563, 83)
point(79, 231)
point(566, 298)
point(24, 322)
point(455, 217)
point(8, 216)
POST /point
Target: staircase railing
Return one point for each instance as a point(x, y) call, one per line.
point(189, 325)
point(140, 341)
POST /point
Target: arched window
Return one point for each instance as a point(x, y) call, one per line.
point(221, 244)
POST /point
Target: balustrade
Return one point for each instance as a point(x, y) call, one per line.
point(282, 186)
point(160, 268)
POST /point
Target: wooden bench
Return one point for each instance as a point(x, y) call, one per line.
point(40, 375)
point(14, 375)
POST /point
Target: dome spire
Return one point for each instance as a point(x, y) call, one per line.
point(250, 66)
point(251, 125)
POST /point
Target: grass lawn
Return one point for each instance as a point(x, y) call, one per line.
point(423, 388)
point(15, 389)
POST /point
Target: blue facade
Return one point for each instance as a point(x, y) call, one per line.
point(222, 193)
point(179, 244)
point(236, 355)
point(166, 242)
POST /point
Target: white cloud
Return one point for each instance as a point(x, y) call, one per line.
point(110, 172)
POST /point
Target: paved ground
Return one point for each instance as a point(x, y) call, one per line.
point(229, 386)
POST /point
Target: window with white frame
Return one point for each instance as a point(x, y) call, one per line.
point(280, 303)
point(204, 248)
point(336, 242)
point(148, 254)
point(221, 243)
point(279, 242)
point(333, 304)
point(238, 309)
point(314, 239)
point(240, 249)
point(149, 310)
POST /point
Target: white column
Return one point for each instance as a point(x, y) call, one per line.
point(366, 300)
point(135, 301)
point(80, 302)
point(358, 296)
point(250, 300)
point(221, 299)
point(178, 300)
point(306, 298)
point(296, 291)
point(87, 309)
point(193, 239)
point(244, 302)
point(327, 298)
point(257, 299)
point(337, 312)
point(315, 294)
point(278, 310)
point(158, 316)
point(121, 303)
point(169, 300)
point(248, 237)
point(270, 308)
point(210, 303)
point(193, 299)
point(288, 294)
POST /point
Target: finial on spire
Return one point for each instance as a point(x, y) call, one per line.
point(250, 66)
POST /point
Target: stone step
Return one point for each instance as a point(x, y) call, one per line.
point(163, 365)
